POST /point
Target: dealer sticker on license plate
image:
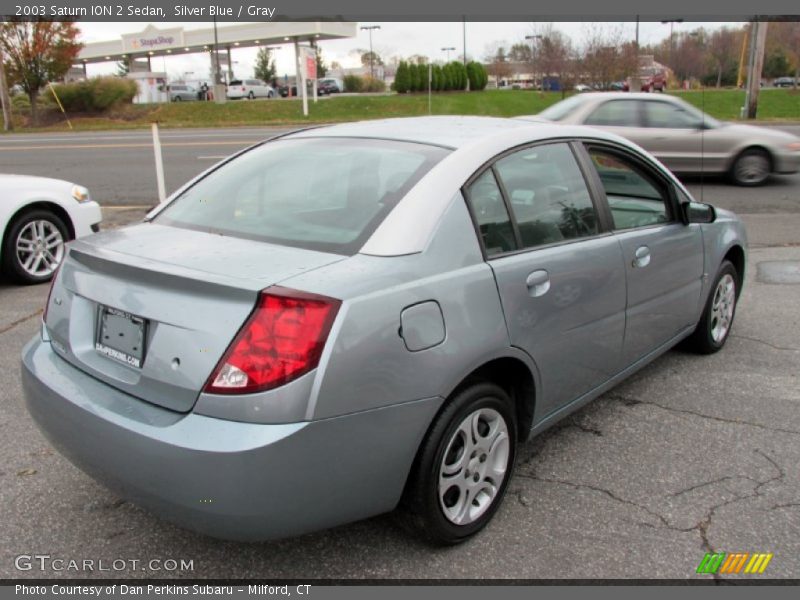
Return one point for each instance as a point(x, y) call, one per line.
point(121, 336)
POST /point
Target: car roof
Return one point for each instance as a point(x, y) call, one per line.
point(628, 96)
point(447, 131)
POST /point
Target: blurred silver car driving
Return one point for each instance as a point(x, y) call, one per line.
point(684, 138)
point(350, 318)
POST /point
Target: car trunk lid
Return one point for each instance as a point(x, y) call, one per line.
point(186, 293)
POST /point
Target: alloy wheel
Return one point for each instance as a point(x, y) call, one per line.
point(40, 248)
point(722, 307)
point(474, 466)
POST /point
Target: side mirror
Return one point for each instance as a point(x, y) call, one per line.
point(695, 212)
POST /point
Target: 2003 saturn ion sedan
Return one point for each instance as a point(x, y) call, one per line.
point(347, 319)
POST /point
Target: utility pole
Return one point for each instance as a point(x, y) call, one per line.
point(464, 34)
point(756, 65)
point(5, 100)
point(636, 81)
point(371, 28)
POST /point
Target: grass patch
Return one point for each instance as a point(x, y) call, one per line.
point(773, 104)
point(723, 104)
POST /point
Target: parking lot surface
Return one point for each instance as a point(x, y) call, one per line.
point(691, 455)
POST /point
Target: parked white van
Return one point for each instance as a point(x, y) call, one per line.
point(249, 88)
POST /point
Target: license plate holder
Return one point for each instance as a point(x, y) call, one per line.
point(121, 336)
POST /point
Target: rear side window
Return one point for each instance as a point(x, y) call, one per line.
point(326, 194)
point(491, 215)
point(615, 113)
point(636, 198)
point(548, 195)
point(561, 110)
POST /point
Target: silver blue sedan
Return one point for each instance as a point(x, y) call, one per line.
point(346, 320)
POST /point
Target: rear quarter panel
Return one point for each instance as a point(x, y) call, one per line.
point(366, 363)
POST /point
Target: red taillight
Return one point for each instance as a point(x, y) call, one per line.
point(242, 89)
point(280, 341)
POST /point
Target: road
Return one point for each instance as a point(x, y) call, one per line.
point(119, 167)
point(691, 454)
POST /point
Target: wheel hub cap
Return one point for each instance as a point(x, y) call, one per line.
point(474, 466)
point(752, 169)
point(722, 307)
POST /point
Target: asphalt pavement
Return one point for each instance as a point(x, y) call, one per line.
point(691, 455)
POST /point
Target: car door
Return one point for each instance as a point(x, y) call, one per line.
point(558, 269)
point(674, 135)
point(622, 116)
point(663, 257)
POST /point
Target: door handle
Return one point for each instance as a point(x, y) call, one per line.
point(538, 283)
point(642, 257)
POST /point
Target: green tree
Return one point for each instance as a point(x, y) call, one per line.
point(402, 78)
point(265, 65)
point(478, 78)
point(776, 65)
point(418, 79)
point(123, 67)
point(436, 76)
point(460, 75)
point(37, 52)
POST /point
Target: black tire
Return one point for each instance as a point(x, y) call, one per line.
point(421, 508)
point(751, 168)
point(251, 96)
point(176, 99)
point(703, 340)
point(11, 263)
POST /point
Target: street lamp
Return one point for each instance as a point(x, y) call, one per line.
point(370, 28)
point(533, 39)
point(448, 49)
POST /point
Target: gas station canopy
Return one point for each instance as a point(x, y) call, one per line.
point(175, 40)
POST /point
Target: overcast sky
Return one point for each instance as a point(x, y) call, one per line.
point(401, 39)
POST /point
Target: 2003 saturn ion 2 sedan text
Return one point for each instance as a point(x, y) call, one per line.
point(347, 319)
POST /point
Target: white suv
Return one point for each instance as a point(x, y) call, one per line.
point(249, 88)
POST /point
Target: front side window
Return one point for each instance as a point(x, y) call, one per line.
point(636, 198)
point(668, 115)
point(615, 113)
point(326, 194)
point(547, 194)
point(491, 215)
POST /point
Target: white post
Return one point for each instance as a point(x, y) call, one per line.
point(300, 77)
point(314, 85)
point(162, 191)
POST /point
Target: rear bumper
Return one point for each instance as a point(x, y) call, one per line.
point(223, 478)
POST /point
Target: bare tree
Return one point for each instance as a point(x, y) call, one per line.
point(786, 35)
point(723, 51)
point(556, 58)
point(606, 56)
point(496, 59)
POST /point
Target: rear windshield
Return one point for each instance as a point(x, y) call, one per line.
point(236, 82)
point(561, 110)
point(326, 194)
